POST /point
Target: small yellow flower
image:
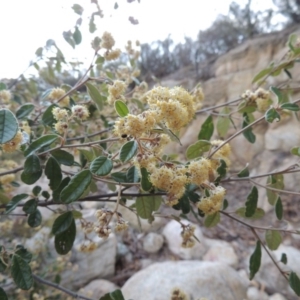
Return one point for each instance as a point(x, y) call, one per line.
point(223, 153)
point(5, 96)
point(56, 94)
point(81, 112)
point(60, 114)
point(112, 55)
point(6, 179)
point(117, 89)
point(199, 171)
point(13, 144)
point(61, 127)
point(25, 127)
point(107, 41)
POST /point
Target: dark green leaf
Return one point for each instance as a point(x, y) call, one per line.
point(35, 219)
point(14, 202)
point(62, 222)
point(145, 206)
point(283, 258)
point(279, 209)
point(45, 194)
point(223, 122)
point(30, 206)
point(121, 108)
point(184, 204)
point(53, 173)
point(290, 106)
point(272, 115)
point(48, 118)
point(24, 111)
point(115, 295)
point(8, 126)
point(145, 182)
point(128, 151)
point(78, 184)
point(119, 176)
point(77, 36)
point(32, 170)
point(63, 157)
point(212, 220)
point(288, 73)
point(3, 86)
point(225, 204)
point(248, 134)
point(95, 95)
point(89, 155)
point(197, 149)
point(259, 213)
point(41, 142)
point(251, 203)
point(63, 184)
point(281, 97)
point(244, 172)
point(133, 174)
point(255, 260)
point(69, 39)
point(21, 273)
point(273, 239)
point(101, 166)
point(222, 169)
point(207, 129)
point(23, 253)
point(64, 241)
point(3, 295)
point(294, 282)
point(36, 190)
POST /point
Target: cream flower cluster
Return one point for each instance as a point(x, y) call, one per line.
point(260, 97)
point(56, 94)
point(13, 144)
point(187, 234)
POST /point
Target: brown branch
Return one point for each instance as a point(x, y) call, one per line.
point(59, 287)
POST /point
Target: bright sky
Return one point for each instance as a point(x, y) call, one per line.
point(28, 24)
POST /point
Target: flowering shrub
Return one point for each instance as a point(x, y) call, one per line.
point(116, 135)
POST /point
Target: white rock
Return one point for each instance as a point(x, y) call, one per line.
point(277, 296)
point(97, 288)
point(221, 251)
point(39, 241)
point(196, 279)
point(153, 242)
point(172, 232)
point(254, 294)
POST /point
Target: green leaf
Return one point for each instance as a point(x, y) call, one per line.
point(3, 86)
point(145, 182)
point(212, 220)
point(291, 42)
point(56, 193)
point(255, 260)
point(244, 172)
point(92, 26)
point(262, 74)
point(115, 295)
point(100, 60)
point(223, 122)
point(32, 170)
point(133, 174)
point(53, 173)
point(30, 206)
point(279, 209)
point(273, 239)
point(101, 166)
point(89, 155)
point(95, 95)
point(128, 151)
point(294, 282)
point(258, 214)
point(3, 295)
point(290, 106)
point(14, 202)
point(271, 115)
point(295, 151)
point(76, 187)
point(35, 219)
point(119, 177)
point(207, 129)
point(36, 190)
point(8, 126)
point(63, 157)
point(62, 222)
point(251, 203)
point(48, 118)
point(64, 241)
point(76, 214)
point(222, 169)
point(281, 97)
point(24, 111)
point(145, 206)
point(121, 108)
point(197, 149)
point(24, 253)
point(248, 134)
point(277, 182)
point(184, 204)
point(21, 273)
point(77, 36)
point(78, 9)
point(41, 142)
point(283, 258)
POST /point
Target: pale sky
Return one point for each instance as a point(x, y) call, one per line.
point(28, 24)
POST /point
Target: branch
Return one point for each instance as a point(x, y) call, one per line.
point(58, 287)
point(217, 106)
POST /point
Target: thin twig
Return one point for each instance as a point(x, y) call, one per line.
point(59, 287)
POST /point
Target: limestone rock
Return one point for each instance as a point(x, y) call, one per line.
point(97, 288)
point(254, 294)
point(153, 242)
point(172, 235)
point(196, 279)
